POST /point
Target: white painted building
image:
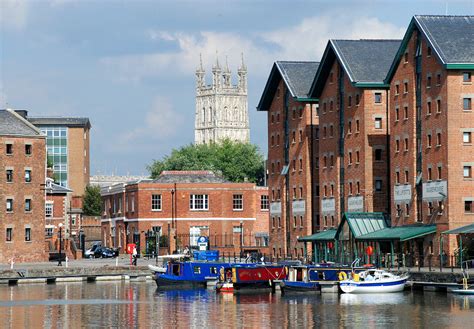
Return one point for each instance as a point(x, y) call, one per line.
point(221, 108)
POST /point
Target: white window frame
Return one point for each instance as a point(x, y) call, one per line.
point(238, 202)
point(199, 202)
point(156, 202)
point(49, 209)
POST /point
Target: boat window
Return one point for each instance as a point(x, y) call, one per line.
point(213, 270)
point(197, 269)
point(299, 275)
point(176, 269)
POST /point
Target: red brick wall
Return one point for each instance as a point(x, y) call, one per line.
point(18, 248)
point(301, 117)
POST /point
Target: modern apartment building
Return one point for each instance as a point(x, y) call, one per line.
point(432, 126)
point(354, 127)
point(292, 162)
point(68, 149)
point(23, 166)
point(183, 205)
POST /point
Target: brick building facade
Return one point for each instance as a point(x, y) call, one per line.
point(432, 122)
point(353, 124)
point(292, 156)
point(23, 165)
point(184, 205)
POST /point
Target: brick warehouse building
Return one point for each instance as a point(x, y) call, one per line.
point(186, 204)
point(353, 124)
point(292, 155)
point(432, 123)
point(23, 160)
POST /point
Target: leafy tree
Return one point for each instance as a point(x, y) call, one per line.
point(236, 161)
point(92, 201)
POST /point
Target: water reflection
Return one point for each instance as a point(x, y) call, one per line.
point(125, 304)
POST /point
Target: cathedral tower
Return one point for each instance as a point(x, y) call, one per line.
point(221, 108)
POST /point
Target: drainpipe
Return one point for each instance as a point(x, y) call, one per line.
point(389, 189)
point(287, 174)
point(311, 172)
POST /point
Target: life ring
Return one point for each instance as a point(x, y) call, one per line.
point(342, 276)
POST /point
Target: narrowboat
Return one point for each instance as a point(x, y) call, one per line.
point(307, 278)
point(244, 277)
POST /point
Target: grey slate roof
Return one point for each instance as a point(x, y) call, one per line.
point(297, 75)
point(366, 60)
point(13, 124)
point(60, 121)
point(452, 37)
point(200, 176)
point(57, 189)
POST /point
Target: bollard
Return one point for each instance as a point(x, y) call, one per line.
point(116, 261)
point(452, 263)
point(429, 263)
point(67, 260)
point(11, 263)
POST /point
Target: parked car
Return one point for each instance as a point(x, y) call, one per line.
point(104, 252)
point(91, 252)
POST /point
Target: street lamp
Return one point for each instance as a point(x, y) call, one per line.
point(60, 244)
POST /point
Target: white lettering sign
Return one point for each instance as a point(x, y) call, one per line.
point(299, 207)
point(328, 205)
point(402, 193)
point(435, 191)
point(355, 203)
point(275, 208)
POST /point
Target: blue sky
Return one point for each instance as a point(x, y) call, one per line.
point(129, 65)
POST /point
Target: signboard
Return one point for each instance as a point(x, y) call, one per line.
point(355, 203)
point(299, 207)
point(275, 208)
point(435, 191)
point(328, 206)
point(402, 193)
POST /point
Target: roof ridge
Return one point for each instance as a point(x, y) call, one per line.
point(444, 16)
point(393, 40)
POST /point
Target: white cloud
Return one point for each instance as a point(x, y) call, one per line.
point(159, 124)
point(13, 14)
point(304, 41)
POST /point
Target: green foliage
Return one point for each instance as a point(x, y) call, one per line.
point(236, 161)
point(92, 201)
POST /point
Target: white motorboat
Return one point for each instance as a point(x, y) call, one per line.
point(157, 269)
point(374, 281)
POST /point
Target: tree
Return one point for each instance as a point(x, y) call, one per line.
point(236, 161)
point(92, 201)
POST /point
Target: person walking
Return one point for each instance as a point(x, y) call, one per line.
point(135, 256)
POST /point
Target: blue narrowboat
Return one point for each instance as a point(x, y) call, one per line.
point(307, 278)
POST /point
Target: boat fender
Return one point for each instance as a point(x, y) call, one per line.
point(286, 270)
point(222, 274)
point(342, 276)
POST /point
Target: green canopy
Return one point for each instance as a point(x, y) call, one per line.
point(328, 235)
point(463, 229)
point(361, 223)
point(399, 233)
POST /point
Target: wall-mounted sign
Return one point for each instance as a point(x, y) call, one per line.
point(299, 206)
point(435, 191)
point(275, 208)
point(402, 193)
point(355, 203)
point(328, 206)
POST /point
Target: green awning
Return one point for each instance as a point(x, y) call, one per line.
point(399, 233)
point(463, 229)
point(328, 235)
point(361, 223)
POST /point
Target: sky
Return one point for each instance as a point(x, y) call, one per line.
point(129, 66)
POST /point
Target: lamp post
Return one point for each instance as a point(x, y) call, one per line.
point(241, 237)
point(60, 244)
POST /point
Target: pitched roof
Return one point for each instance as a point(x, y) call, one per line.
point(53, 188)
point(399, 233)
point(366, 62)
point(361, 223)
point(328, 235)
point(197, 176)
point(60, 121)
point(452, 37)
point(297, 76)
point(13, 124)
